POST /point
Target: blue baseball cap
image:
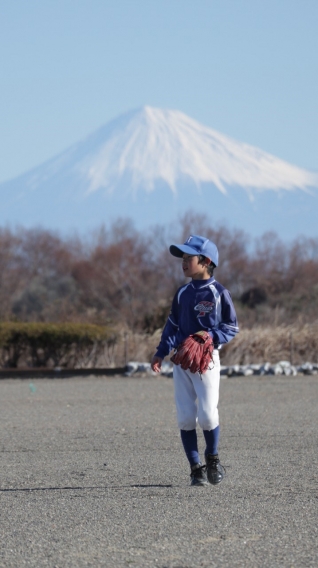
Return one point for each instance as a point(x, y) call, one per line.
point(197, 245)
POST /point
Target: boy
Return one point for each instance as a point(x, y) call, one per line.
point(203, 304)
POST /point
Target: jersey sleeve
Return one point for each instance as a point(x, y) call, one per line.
point(168, 337)
point(228, 326)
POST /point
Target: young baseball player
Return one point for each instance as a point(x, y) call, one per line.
point(202, 305)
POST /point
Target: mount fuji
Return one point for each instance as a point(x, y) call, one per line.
point(153, 165)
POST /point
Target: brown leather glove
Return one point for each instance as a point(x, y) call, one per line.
point(195, 352)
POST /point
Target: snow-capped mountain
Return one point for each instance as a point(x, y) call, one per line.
point(153, 164)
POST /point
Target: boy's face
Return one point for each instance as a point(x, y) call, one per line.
point(193, 269)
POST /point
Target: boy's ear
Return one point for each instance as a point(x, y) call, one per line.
point(207, 261)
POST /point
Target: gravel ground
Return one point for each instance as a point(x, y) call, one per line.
point(93, 474)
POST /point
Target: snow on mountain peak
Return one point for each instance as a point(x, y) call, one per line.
point(152, 164)
point(151, 145)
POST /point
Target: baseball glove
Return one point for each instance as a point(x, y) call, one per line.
point(195, 352)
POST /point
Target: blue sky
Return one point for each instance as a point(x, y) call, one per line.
point(248, 68)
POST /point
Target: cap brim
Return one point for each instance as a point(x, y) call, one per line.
point(180, 250)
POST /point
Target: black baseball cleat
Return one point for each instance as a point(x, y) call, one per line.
point(215, 471)
point(198, 475)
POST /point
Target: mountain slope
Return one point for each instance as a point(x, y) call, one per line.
point(146, 161)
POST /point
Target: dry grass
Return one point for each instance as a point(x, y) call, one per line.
point(130, 347)
point(294, 343)
point(282, 343)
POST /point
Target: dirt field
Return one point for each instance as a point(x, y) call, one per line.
point(93, 474)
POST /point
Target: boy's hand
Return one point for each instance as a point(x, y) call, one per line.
point(156, 364)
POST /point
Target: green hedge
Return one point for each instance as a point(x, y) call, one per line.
point(53, 345)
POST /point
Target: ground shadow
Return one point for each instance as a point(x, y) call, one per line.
point(70, 488)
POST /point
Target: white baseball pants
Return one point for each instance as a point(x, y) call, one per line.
point(197, 396)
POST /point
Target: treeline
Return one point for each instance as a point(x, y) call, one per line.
point(124, 277)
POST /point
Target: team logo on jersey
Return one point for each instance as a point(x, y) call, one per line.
point(204, 308)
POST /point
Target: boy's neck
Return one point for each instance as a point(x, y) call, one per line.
point(202, 276)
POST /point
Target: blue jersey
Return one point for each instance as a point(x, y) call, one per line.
point(200, 304)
